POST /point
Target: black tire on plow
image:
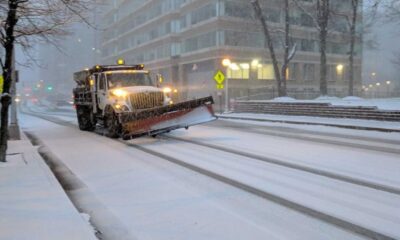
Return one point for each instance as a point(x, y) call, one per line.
point(85, 118)
point(112, 124)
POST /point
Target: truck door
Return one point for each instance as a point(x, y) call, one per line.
point(93, 95)
point(101, 91)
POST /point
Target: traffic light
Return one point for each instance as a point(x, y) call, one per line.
point(49, 88)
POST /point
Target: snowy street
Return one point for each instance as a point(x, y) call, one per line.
point(200, 120)
point(232, 179)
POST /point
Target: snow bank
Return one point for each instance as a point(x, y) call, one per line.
point(86, 218)
point(382, 104)
point(326, 98)
point(352, 98)
point(283, 99)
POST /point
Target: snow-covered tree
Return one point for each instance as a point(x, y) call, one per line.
point(289, 51)
point(321, 13)
point(352, 19)
point(26, 22)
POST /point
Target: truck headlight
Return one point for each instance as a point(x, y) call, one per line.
point(119, 93)
point(121, 107)
point(167, 90)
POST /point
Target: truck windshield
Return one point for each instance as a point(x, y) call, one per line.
point(128, 79)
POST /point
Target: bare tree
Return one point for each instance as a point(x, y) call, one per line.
point(391, 14)
point(396, 59)
point(280, 74)
point(392, 9)
point(323, 12)
point(25, 22)
point(352, 19)
point(321, 15)
point(353, 22)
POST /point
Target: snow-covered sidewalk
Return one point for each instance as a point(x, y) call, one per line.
point(32, 204)
point(334, 122)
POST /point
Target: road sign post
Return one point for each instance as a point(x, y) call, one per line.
point(219, 78)
point(220, 101)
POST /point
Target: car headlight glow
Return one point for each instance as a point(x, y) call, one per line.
point(119, 93)
point(167, 90)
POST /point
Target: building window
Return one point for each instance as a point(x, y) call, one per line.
point(292, 72)
point(306, 20)
point(244, 39)
point(182, 21)
point(175, 49)
point(266, 72)
point(238, 73)
point(204, 13)
point(175, 26)
point(202, 41)
point(273, 14)
point(331, 73)
point(308, 72)
point(238, 9)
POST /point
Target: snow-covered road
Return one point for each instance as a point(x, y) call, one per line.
point(236, 182)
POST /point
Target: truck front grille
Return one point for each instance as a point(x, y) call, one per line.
point(147, 100)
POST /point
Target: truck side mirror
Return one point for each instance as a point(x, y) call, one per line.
point(160, 80)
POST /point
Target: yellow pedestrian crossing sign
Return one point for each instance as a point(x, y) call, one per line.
point(220, 86)
point(219, 77)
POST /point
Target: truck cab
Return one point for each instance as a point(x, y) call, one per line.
point(128, 90)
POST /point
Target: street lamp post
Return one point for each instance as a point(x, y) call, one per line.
point(388, 88)
point(378, 91)
point(226, 63)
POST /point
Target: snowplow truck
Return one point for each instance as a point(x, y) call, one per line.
point(126, 102)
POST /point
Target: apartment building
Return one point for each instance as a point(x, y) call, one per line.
point(187, 40)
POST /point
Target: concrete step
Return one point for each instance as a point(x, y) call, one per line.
point(318, 110)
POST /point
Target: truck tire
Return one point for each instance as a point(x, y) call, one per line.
point(112, 124)
point(85, 118)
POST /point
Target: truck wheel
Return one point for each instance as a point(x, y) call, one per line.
point(112, 125)
point(85, 118)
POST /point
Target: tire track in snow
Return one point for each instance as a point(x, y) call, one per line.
point(268, 196)
point(295, 166)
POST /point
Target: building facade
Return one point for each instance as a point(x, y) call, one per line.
point(187, 40)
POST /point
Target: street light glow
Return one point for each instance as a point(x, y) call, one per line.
point(234, 66)
point(339, 69)
point(255, 63)
point(226, 62)
point(245, 66)
point(388, 82)
point(378, 84)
